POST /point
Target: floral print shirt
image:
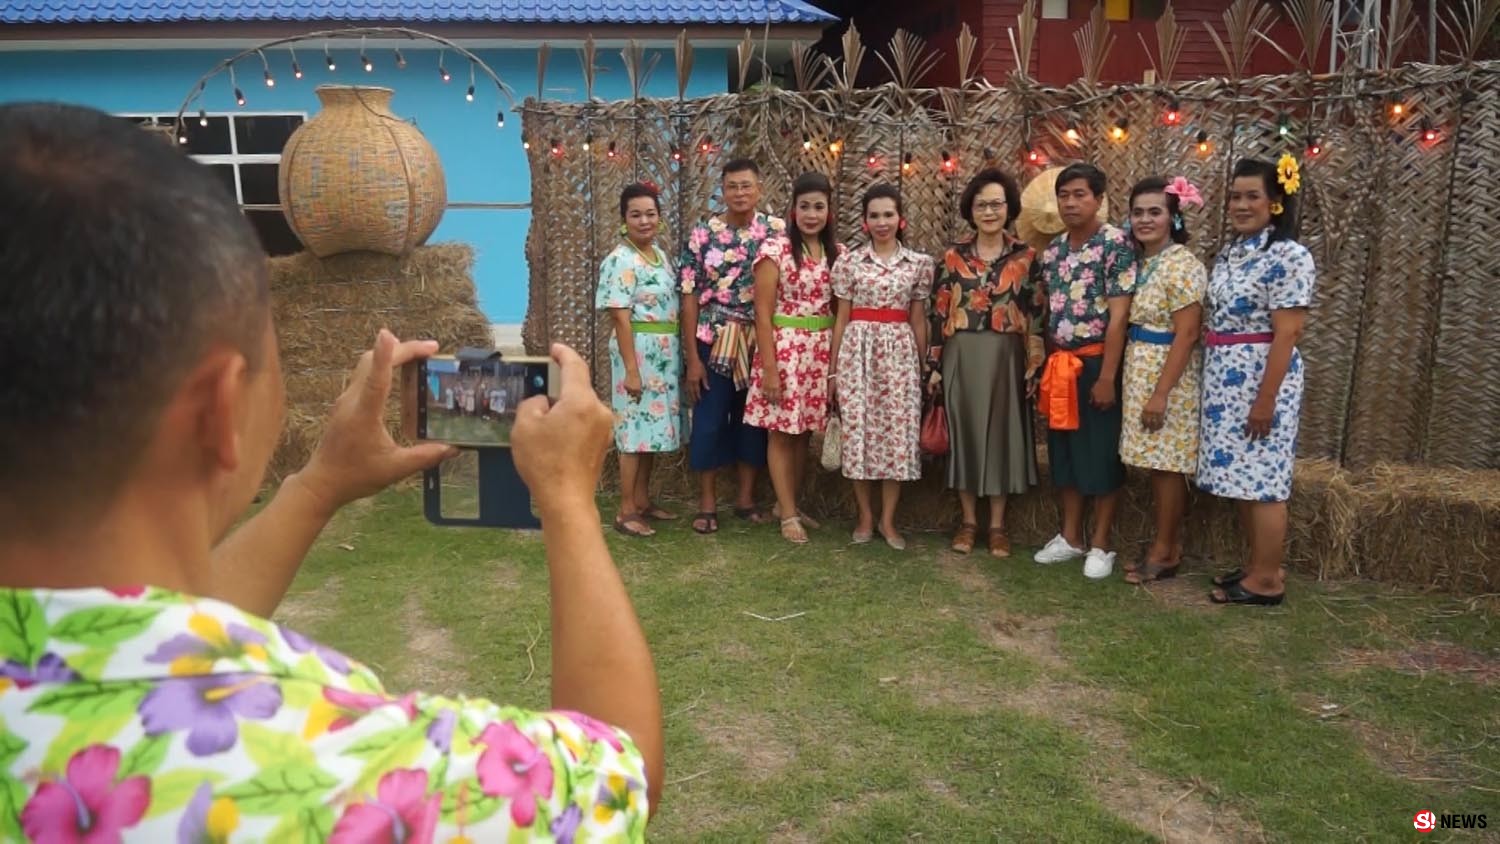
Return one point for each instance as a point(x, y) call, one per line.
point(1003, 296)
point(716, 267)
point(1080, 282)
point(162, 717)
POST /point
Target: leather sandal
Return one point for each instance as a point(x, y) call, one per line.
point(792, 531)
point(1236, 593)
point(1223, 580)
point(706, 523)
point(999, 543)
point(1149, 572)
point(633, 525)
point(963, 538)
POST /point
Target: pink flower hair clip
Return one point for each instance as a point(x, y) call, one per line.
point(1186, 192)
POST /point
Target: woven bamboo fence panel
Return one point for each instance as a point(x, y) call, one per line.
point(1401, 341)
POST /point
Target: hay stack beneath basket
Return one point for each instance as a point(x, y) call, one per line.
point(1413, 525)
point(327, 314)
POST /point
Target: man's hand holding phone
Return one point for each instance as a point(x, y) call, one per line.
point(559, 448)
point(356, 456)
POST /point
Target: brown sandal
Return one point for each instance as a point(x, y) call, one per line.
point(999, 543)
point(634, 525)
point(1150, 572)
point(963, 538)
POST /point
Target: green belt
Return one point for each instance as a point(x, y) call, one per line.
point(809, 323)
point(654, 327)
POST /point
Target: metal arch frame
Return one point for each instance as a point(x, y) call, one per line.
point(224, 66)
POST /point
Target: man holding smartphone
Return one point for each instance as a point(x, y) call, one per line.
point(143, 692)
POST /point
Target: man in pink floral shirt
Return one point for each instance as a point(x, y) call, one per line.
point(144, 694)
point(718, 318)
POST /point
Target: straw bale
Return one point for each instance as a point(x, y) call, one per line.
point(328, 311)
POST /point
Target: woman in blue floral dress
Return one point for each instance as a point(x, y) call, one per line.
point(638, 286)
point(1258, 296)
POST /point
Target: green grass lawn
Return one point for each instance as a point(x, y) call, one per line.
point(841, 693)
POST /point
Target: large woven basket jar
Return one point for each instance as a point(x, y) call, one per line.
point(358, 178)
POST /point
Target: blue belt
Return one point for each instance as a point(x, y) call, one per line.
point(1141, 334)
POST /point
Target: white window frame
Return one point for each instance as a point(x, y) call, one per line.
point(1049, 10)
point(234, 158)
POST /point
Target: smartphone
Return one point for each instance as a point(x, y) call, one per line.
point(470, 399)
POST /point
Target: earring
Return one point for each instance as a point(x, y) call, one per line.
point(623, 230)
point(865, 227)
point(1277, 209)
point(901, 225)
point(1177, 222)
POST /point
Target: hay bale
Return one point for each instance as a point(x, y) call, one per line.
point(328, 311)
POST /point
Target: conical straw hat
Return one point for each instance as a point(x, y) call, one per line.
point(1039, 222)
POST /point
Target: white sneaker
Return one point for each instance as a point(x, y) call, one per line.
point(1057, 550)
point(1099, 565)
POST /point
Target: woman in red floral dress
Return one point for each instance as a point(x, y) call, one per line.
point(794, 320)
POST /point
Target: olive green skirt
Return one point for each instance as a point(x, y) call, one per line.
point(991, 451)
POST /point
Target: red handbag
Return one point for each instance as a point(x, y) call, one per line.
point(934, 436)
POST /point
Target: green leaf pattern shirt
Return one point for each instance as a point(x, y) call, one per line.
point(149, 715)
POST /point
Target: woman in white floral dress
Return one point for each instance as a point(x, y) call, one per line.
point(1159, 430)
point(882, 288)
point(637, 286)
point(794, 333)
point(1258, 296)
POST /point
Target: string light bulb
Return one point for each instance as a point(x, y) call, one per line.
point(947, 161)
point(1120, 130)
point(364, 59)
point(443, 70)
point(611, 151)
point(469, 95)
point(806, 144)
point(676, 154)
point(1203, 145)
point(836, 147)
point(400, 60)
point(1174, 113)
point(270, 80)
point(239, 97)
point(182, 140)
point(1314, 146)
point(203, 118)
point(1072, 134)
point(1283, 125)
point(906, 163)
point(500, 119)
point(557, 149)
point(871, 160)
point(1033, 156)
point(296, 70)
point(1397, 108)
point(1430, 133)
point(526, 144)
point(588, 142)
point(989, 153)
point(705, 146)
point(328, 58)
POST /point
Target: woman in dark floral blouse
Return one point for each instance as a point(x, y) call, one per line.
point(987, 313)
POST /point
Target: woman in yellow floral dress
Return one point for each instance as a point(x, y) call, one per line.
point(1163, 363)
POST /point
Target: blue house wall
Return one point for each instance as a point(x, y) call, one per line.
point(483, 163)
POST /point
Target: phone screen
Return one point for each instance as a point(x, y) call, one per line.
point(473, 403)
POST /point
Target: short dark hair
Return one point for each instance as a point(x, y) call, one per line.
point(813, 183)
point(739, 165)
point(122, 260)
point(1177, 228)
point(1283, 225)
point(982, 180)
point(636, 191)
point(884, 190)
point(1083, 170)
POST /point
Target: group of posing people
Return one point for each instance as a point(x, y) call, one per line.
point(774, 327)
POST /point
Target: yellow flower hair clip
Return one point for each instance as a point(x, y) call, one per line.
point(1288, 174)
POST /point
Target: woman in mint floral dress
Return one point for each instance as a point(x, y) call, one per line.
point(1258, 296)
point(637, 285)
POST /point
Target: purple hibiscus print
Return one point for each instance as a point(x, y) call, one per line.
point(565, 826)
point(301, 644)
point(49, 669)
point(209, 708)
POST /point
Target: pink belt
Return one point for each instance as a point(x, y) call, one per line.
point(1215, 338)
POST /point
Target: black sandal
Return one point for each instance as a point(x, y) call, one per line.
point(1236, 593)
point(1149, 572)
point(634, 525)
point(709, 523)
point(753, 515)
point(1223, 580)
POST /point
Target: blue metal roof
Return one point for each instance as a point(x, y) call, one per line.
point(730, 12)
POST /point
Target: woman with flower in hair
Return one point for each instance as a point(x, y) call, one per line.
point(794, 331)
point(1159, 430)
point(637, 286)
point(1258, 296)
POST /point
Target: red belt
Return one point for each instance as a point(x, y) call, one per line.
point(878, 315)
point(1214, 338)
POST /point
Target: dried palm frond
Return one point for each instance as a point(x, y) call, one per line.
point(966, 44)
point(1170, 39)
point(1026, 26)
point(910, 59)
point(1094, 41)
point(1470, 24)
point(953, 103)
point(586, 57)
point(854, 56)
point(1311, 19)
point(1246, 22)
point(1400, 23)
point(633, 57)
point(684, 63)
point(745, 51)
point(543, 55)
point(810, 68)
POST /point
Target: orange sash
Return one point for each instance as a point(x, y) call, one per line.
point(1058, 400)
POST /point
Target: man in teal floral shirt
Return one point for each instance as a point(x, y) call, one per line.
point(718, 318)
point(144, 695)
point(1089, 276)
